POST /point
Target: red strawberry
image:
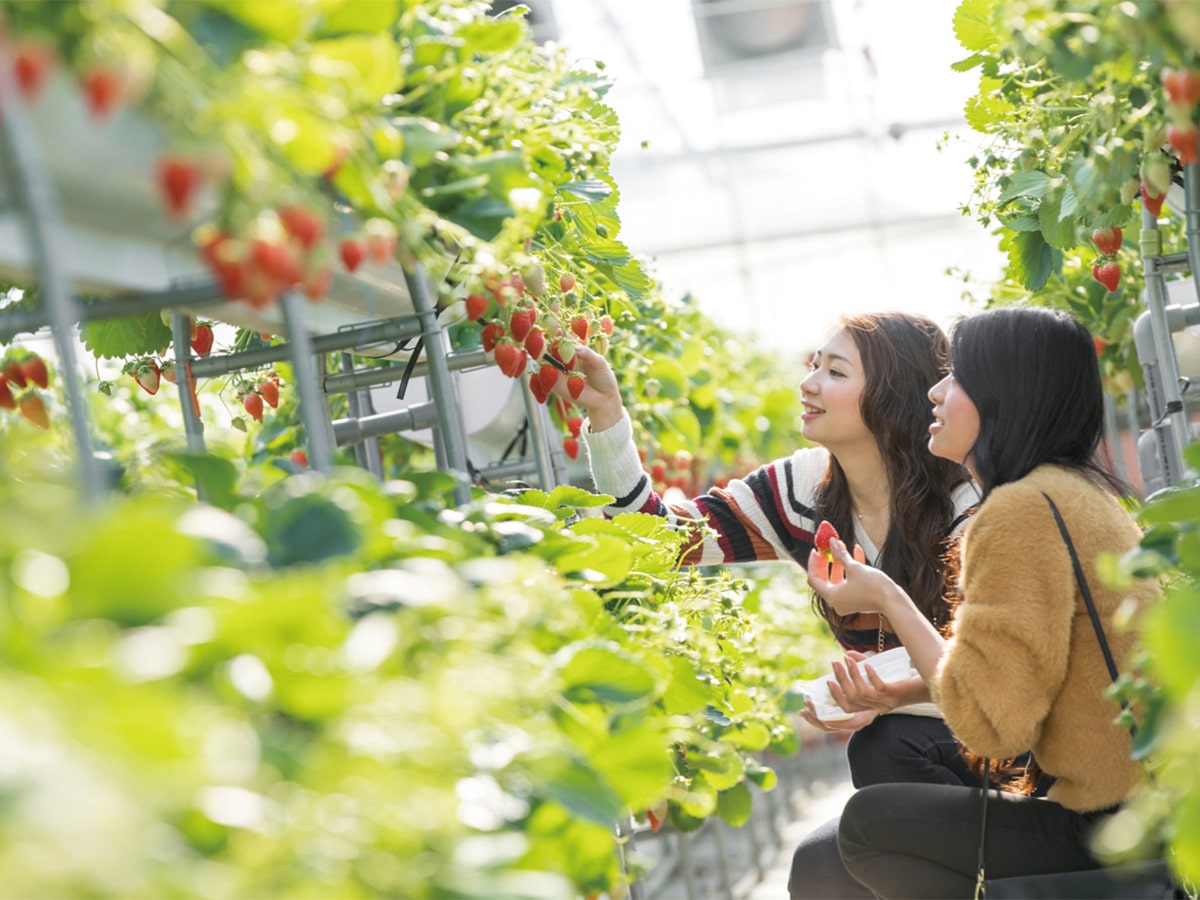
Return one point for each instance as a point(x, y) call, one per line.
point(535, 343)
point(302, 224)
point(277, 262)
point(353, 253)
point(540, 394)
point(269, 388)
point(1108, 274)
point(316, 286)
point(16, 374)
point(564, 352)
point(1152, 201)
point(580, 326)
point(179, 178)
point(575, 424)
point(254, 405)
point(34, 409)
point(32, 65)
point(1107, 239)
point(658, 471)
point(299, 457)
point(571, 447)
point(167, 371)
point(507, 357)
point(566, 283)
point(1186, 142)
point(34, 369)
point(147, 376)
point(1100, 343)
point(521, 321)
point(103, 86)
point(655, 821)
point(477, 305)
point(825, 533)
point(381, 247)
point(492, 332)
point(547, 377)
point(1182, 86)
point(575, 386)
point(6, 395)
point(203, 341)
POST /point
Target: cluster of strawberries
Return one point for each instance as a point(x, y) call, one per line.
point(1106, 269)
point(520, 340)
point(20, 377)
point(104, 84)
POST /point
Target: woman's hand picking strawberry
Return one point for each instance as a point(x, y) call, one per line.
point(600, 396)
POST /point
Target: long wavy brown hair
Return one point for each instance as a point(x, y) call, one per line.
point(903, 356)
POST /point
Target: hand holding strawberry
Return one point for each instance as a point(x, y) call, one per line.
point(598, 394)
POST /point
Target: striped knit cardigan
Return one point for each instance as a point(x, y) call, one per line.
point(768, 515)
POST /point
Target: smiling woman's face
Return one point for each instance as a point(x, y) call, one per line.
point(832, 394)
point(955, 426)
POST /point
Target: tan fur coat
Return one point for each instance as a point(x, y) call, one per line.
point(1024, 669)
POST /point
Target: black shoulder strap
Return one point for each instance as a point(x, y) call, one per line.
point(1083, 586)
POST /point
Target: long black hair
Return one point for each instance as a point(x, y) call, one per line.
point(903, 355)
point(1033, 377)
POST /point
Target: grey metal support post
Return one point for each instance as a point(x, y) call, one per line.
point(36, 191)
point(450, 429)
point(316, 428)
point(1173, 420)
point(181, 327)
point(366, 452)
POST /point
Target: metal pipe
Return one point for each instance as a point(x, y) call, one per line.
point(30, 320)
point(373, 376)
point(441, 386)
point(1173, 417)
point(181, 327)
point(300, 345)
point(1191, 218)
point(509, 469)
point(412, 418)
point(36, 190)
point(347, 338)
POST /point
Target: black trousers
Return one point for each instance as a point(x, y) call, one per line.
point(893, 748)
point(922, 840)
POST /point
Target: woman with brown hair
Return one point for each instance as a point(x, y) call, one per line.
point(872, 477)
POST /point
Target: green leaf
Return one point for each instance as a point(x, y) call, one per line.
point(965, 65)
point(130, 336)
point(215, 478)
point(603, 553)
point(423, 139)
point(591, 191)
point(1029, 259)
point(356, 16)
point(636, 762)
point(366, 67)
point(308, 528)
point(734, 805)
point(604, 673)
point(1033, 184)
point(492, 37)
point(282, 22)
point(578, 498)
point(988, 108)
point(686, 693)
point(722, 766)
point(1058, 231)
point(577, 787)
point(973, 25)
point(752, 736)
point(1173, 505)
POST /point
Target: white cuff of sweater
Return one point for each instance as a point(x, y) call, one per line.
point(616, 468)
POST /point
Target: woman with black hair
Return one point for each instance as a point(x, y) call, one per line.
point(1022, 668)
